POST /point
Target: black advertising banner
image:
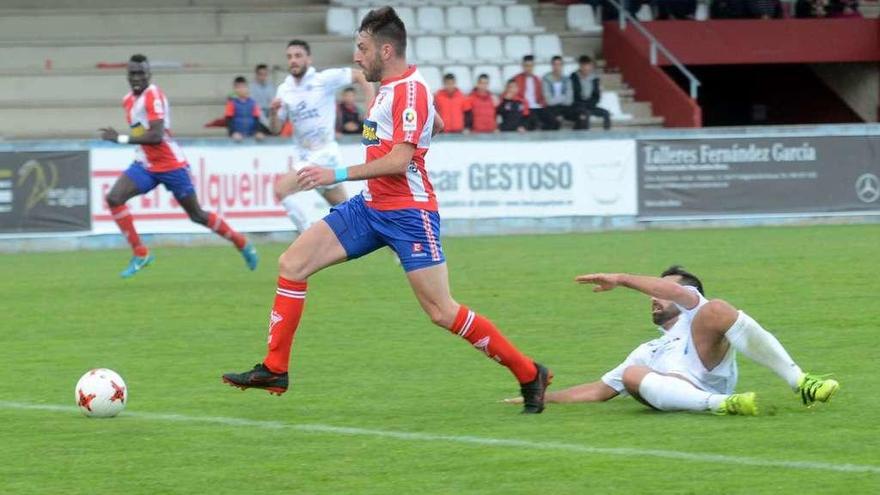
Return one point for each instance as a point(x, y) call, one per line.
point(743, 176)
point(44, 191)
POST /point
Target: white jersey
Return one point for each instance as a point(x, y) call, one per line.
point(674, 352)
point(310, 104)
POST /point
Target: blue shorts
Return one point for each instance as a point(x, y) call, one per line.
point(178, 182)
point(412, 233)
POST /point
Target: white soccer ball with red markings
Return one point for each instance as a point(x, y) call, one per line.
point(101, 393)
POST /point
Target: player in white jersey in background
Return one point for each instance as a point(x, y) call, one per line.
point(692, 366)
point(307, 98)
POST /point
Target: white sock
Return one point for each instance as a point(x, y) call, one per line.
point(748, 337)
point(297, 216)
point(668, 393)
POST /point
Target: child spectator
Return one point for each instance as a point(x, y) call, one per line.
point(348, 116)
point(513, 110)
point(243, 113)
point(482, 102)
point(451, 104)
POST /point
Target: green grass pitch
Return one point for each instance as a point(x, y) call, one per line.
point(422, 406)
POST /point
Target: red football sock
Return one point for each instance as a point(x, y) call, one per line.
point(124, 220)
point(218, 225)
point(480, 332)
point(290, 298)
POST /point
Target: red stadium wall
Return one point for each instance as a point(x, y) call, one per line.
point(650, 82)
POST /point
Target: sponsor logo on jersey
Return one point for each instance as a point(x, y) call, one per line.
point(409, 119)
point(369, 136)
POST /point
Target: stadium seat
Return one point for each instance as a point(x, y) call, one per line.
point(340, 21)
point(542, 69)
point(460, 48)
point(489, 48)
point(510, 70)
point(516, 46)
point(432, 77)
point(408, 16)
point(462, 75)
point(702, 13)
point(547, 46)
point(645, 14)
point(570, 67)
point(429, 49)
point(430, 20)
point(610, 100)
point(520, 19)
point(491, 18)
point(582, 18)
point(460, 19)
point(496, 82)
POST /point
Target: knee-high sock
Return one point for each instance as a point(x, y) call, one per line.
point(483, 335)
point(297, 216)
point(748, 337)
point(668, 393)
point(125, 222)
point(221, 228)
point(290, 299)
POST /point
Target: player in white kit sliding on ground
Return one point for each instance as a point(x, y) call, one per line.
point(307, 98)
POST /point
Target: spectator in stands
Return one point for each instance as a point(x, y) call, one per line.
point(728, 9)
point(262, 89)
point(806, 9)
point(451, 105)
point(676, 9)
point(586, 93)
point(531, 91)
point(557, 93)
point(482, 102)
point(764, 9)
point(242, 113)
point(513, 110)
point(348, 116)
point(843, 8)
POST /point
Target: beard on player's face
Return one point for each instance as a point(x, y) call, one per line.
point(663, 312)
point(298, 69)
point(373, 70)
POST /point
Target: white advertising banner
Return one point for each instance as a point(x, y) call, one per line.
point(473, 179)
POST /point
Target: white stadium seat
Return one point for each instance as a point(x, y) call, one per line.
point(462, 75)
point(610, 100)
point(496, 82)
point(408, 16)
point(489, 48)
point(519, 18)
point(491, 18)
point(645, 14)
point(508, 71)
point(460, 19)
point(542, 69)
point(547, 46)
point(432, 77)
point(429, 49)
point(570, 67)
point(460, 48)
point(516, 46)
point(702, 13)
point(340, 21)
point(430, 19)
point(582, 18)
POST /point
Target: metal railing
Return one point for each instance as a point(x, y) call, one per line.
point(624, 16)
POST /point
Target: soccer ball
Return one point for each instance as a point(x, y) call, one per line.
point(101, 393)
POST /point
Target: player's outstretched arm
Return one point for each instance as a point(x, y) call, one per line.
point(597, 391)
point(153, 135)
point(652, 286)
point(394, 163)
point(357, 77)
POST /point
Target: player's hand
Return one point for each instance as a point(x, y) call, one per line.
point(311, 177)
point(602, 281)
point(108, 134)
point(513, 400)
point(275, 105)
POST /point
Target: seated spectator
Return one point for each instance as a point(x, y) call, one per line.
point(262, 89)
point(808, 9)
point(513, 110)
point(482, 117)
point(676, 9)
point(586, 93)
point(451, 104)
point(557, 93)
point(531, 90)
point(728, 9)
point(843, 8)
point(348, 116)
point(242, 113)
point(764, 9)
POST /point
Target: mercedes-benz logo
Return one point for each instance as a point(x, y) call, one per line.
point(868, 188)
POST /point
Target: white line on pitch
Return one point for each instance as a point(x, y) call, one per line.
point(472, 440)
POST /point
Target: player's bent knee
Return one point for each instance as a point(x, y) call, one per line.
point(114, 200)
point(717, 314)
point(292, 266)
point(633, 376)
point(200, 217)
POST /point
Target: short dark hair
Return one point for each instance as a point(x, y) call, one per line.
point(384, 23)
point(687, 278)
point(528, 58)
point(240, 80)
point(304, 44)
point(449, 76)
point(555, 58)
point(138, 58)
point(483, 76)
point(260, 67)
point(585, 59)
